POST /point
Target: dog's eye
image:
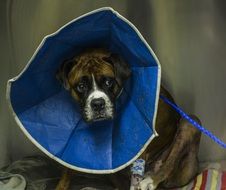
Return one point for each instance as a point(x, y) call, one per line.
point(108, 82)
point(81, 87)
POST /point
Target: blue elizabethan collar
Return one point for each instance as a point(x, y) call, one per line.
point(50, 118)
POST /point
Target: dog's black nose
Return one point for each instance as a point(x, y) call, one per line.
point(98, 104)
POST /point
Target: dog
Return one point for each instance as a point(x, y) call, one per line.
point(95, 78)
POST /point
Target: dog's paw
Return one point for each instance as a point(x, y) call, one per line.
point(147, 184)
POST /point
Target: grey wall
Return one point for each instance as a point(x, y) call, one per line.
point(4, 74)
point(190, 41)
point(187, 36)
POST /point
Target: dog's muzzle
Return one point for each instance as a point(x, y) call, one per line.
point(98, 107)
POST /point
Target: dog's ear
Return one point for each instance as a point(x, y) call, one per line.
point(63, 71)
point(121, 68)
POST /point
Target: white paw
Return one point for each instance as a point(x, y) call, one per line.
point(147, 184)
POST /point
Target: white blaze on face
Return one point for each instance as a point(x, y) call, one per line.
point(96, 93)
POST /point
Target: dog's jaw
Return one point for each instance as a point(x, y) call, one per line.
point(106, 113)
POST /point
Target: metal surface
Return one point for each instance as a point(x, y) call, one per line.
point(188, 37)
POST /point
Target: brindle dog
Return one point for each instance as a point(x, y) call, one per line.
point(95, 79)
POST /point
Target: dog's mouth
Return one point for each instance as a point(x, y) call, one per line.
point(98, 116)
point(101, 118)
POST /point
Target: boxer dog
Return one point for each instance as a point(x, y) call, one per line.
point(95, 79)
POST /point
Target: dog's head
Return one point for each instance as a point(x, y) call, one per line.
point(95, 79)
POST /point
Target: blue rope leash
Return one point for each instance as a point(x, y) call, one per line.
point(194, 123)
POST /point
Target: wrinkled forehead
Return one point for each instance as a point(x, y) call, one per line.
point(88, 67)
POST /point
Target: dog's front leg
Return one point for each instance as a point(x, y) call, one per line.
point(167, 167)
point(65, 180)
point(150, 182)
